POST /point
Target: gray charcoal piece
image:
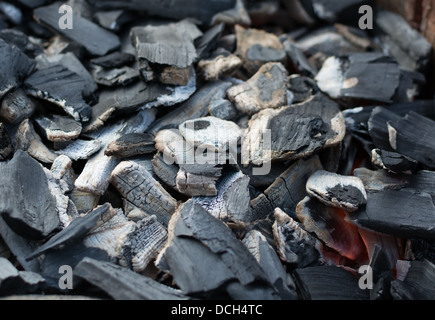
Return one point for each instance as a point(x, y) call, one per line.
point(114, 60)
point(16, 67)
point(58, 128)
point(59, 85)
point(6, 147)
point(115, 77)
point(381, 179)
point(76, 230)
point(166, 172)
point(16, 106)
point(123, 284)
point(114, 19)
point(22, 41)
point(80, 149)
point(96, 40)
point(27, 206)
point(132, 144)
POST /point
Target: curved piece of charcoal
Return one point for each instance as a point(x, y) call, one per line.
point(296, 131)
point(295, 246)
point(64, 88)
point(14, 282)
point(404, 213)
point(27, 205)
point(15, 68)
point(16, 106)
point(210, 133)
point(330, 226)
point(270, 263)
point(96, 40)
point(395, 39)
point(76, 230)
point(221, 63)
point(61, 169)
point(335, 190)
point(298, 59)
point(111, 235)
point(28, 140)
point(366, 76)
point(6, 147)
point(131, 144)
point(96, 173)
point(144, 243)
point(328, 283)
point(80, 149)
point(123, 284)
point(232, 199)
point(418, 284)
point(257, 47)
point(394, 161)
point(413, 136)
point(58, 128)
point(266, 89)
point(137, 185)
point(169, 46)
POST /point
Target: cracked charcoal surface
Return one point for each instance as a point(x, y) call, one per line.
point(226, 149)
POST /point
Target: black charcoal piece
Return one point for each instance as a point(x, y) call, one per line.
point(394, 161)
point(96, 40)
point(381, 179)
point(418, 284)
point(16, 67)
point(232, 199)
point(266, 89)
point(378, 128)
point(403, 213)
point(21, 40)
point(16, 106)
point(336, 190)
point(329, 225)
point(301, 87)
point(271, 264)
point(365, 76)
point(115, 77)
point(114, 19)
point(257, 47)
point(144, 243)
point(168, 46)
point(295, 246)
point(328, 283)
point(81, 149)
point(413, 136)
point(333, 11)
point(76, 230)
point(395, 37)
point(27, 206)
point(13, 282)
point(132, 144)
point(296, 131)
point(166, 172)
point(298, 60)
point(6, 147)
point(58, 128)
point(208, 40)
point(123, 284)
point(138, 186)
point(59, 85)
point(234, 16)
point(114, 60)
point(423, 249)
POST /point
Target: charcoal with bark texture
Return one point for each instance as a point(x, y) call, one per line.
point(328, 283)
point(203, 242)
point(166, 52)
point(129, 145)
point(96, 40)
point(362, 76)
point(13, 281)
point(404, 213)
point(413, 136)
point(16, 106)
point(65, 88)
point(418, 284)
point(76, 230)
point(266, 89)
point(16, 67)
point(166, 172)
point(58, 128)
point(133, 182)
point(123, 284)
point(336, 190)
point(396, 35)
point(296, 131)
point(27, 206)
point(6, 147)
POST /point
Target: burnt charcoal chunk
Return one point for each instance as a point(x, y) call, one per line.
point(123, 284)
point(96, 40)
point(27, 205)
point(20, 40)
point(16, 106)
point(58, 128)
point(328, 283)
point(378, 128)
point(301, 87)
point(336, 10)
point(208, 40)
point(114, 60)
point(395, 162)
point(15, 68)
point(131, 145)
point(6, 147)
point(298, 60)
point(114, 19)
point(62, 87)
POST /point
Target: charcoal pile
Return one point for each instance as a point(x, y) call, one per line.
point(228, 149)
